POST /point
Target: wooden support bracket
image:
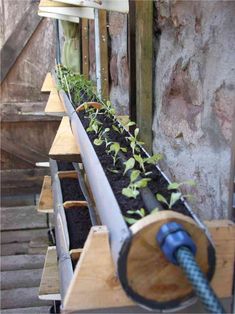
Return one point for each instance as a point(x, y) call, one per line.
point(64, 146)
point(45, 204)
point(49, 287)
point(48, 84)
point(95, 285)
point(54, 104)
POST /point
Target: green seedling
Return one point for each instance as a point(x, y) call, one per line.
point(99, 141)
point(132, 191)
point(176, 185)
point(114, 149)
point(129, 164)
point(139, 212)
point(149, 160)
point(175, 196)
point(134, 143)
point(94, 126)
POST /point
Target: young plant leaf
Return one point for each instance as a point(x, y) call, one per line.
point(174, 198)
point(98, 141)
point(142, 183)
point(154, 159)
point(173, 186)
point(134, 175)
point(129, 164)
point(136, 132)
point(155, 210)
point(113, 170)
point(116, 129)
point(130, 193)
point(130, 221)
point(161, 199)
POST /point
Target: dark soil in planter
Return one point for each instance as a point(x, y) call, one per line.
point(71, 190)
point(79, 224)
point(64, 166)
point(117, 180)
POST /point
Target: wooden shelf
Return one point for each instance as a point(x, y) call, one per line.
point(88, 291)
point(54, 104)
point(64, 146)
point(45, 204)
point(69, 10)
point(48, 84)
point(109, 5)
point(49, 287)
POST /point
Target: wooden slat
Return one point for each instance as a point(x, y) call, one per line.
point(87, 291)
point(64, 146)
point(48, 84)
point(54, 104)
point(117, 5)
point(45, 204)
point(144, 70)
point(85, 48)
point(19, 38)
point(104, 54)
point(57, 16)
point(49, 287)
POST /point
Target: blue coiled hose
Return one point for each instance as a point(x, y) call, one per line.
point(205, 293)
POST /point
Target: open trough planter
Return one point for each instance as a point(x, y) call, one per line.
point(144, 272)
point(72, 218)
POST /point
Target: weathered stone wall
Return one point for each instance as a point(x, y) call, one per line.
point(195, 95)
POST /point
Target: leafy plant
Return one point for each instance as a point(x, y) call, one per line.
point(129, 164)
point(98, 141)
point(134, 142)
point(115, 148)
point(175, 196)
point(149, 160)
point(176, 185)
point(139, 212)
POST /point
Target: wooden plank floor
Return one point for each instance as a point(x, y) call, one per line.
point(23, 246)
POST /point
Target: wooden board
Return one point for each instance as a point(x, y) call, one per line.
point(54, 104)
point(85, 48)
point(64, 146)
point(89, 291)
point(61, 17)
point(45, 204)
point(114, 5)
point(48, 84)
point(49, 287)
point(65, 9)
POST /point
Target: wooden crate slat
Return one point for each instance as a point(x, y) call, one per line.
point(61, 17)
point(54, 104)
point(64, 146)
point(45, 204)
point(49, 287)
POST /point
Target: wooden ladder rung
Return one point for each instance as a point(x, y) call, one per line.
point(48, 84)
point(54, 104)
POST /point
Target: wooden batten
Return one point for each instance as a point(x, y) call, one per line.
point(70, 174)
point(117, 5)
point(57, 16)
point(88, 291)
point(48, 84)
point(45, 204)
point(64, 146)
point(69, 204)
point(54, 104)
point(49, 287)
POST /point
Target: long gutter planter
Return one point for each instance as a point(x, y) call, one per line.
point(121, 237)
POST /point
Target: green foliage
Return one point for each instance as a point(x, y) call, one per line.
point(139, 212)
point(129, 164)
point(176, 185)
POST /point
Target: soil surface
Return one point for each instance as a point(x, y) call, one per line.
point(71, 190)
point(118, 181)
point(79, 224)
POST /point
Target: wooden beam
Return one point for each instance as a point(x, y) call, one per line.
point(104, 53)
point(49, 287)
point(27, 111)
point(144, 70)
point(45, 204)
point(85, 48)
point(22, 181)
point(18, 39)
point(62, 17)
point(64, 146)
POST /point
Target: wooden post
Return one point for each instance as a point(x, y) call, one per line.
point(144, 70)
point(85, 48)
